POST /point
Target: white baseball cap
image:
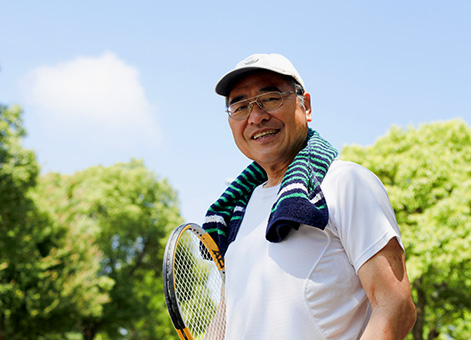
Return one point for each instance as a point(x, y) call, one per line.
point(270, 62)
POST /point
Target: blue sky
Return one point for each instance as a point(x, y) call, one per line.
point(102, 82)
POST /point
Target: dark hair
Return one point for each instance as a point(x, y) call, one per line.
point(297, 88)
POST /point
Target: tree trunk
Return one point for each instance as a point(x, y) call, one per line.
point(89, 333)
point(418, 330)
point(433, 334)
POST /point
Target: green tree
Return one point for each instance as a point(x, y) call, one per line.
point(44, 282)
point(427, 173)
point(127, 212)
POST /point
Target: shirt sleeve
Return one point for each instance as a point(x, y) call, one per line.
point(360, 212)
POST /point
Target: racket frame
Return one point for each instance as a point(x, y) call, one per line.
point(169, 277)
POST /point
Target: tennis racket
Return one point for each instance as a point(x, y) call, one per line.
point(193, 273)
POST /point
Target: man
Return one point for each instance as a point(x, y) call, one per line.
point(312, 248)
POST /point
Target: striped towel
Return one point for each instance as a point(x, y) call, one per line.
point(299, 200)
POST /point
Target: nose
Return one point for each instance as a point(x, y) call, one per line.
point(257, 114)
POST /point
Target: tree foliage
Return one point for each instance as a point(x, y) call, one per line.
point(81, 254)
point(46, 279)
point(127, 212)
point(427, 173)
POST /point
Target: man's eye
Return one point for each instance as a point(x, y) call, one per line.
point(271, 98)
point(239, 108)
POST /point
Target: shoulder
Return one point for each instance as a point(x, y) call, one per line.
point(345, 174)
point(350, 185)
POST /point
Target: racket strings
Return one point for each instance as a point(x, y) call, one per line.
point(199, 289)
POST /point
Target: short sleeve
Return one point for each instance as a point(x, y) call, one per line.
point(360, 212)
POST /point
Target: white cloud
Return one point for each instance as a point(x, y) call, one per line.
point(97, 102)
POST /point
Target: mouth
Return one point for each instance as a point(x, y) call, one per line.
point(265, 134)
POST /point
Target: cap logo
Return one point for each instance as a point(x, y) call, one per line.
point(250, 62)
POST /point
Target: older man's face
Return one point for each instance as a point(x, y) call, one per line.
point(272, 139)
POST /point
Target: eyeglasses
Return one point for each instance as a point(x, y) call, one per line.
point(269, 101)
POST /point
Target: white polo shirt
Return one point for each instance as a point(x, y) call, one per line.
point(306, 287)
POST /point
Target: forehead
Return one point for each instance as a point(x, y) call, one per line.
point(260, 81)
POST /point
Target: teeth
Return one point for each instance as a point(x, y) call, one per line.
point(264, 133)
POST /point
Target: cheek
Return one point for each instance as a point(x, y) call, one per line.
point(234, 128)
point(237, 132)
point(239, 139)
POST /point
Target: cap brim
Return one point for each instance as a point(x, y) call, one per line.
point(225, 84)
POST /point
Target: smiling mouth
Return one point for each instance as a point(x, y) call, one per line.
point(264, 134)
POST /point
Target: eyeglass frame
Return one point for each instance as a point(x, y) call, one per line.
point(251, 106)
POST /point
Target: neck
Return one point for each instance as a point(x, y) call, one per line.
point(275, 176)
point(276, 172)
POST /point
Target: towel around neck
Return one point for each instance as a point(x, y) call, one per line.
point(299, 200)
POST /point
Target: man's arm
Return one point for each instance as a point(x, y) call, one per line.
point(385, 281)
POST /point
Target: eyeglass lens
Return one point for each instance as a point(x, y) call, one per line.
point(268, 101)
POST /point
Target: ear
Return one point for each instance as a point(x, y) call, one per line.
point(307, 106)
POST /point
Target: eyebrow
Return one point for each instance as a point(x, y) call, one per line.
point(264, 89)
